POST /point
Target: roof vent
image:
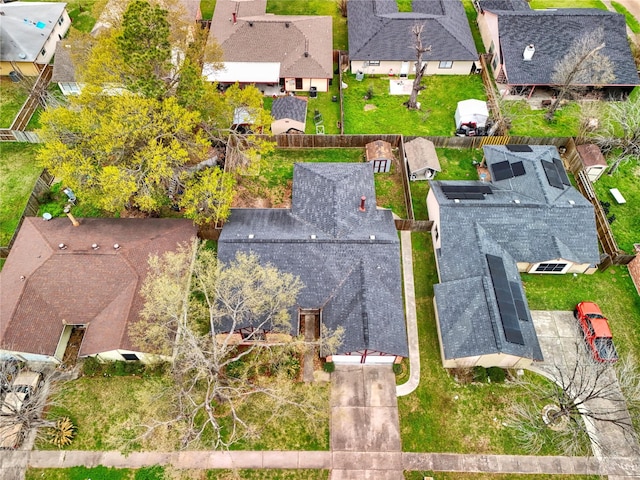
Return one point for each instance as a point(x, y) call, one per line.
point(22, 56)
point(372, 237)
point(572, 202)
point(95, 246)
point(363, 199)
point(251, 24)
point(62, 246)
point(312, 237)
point(516, 201)
point(529, 50)
point(116, 246)
point(286, 24)
point(251, 235)
point(456, 200)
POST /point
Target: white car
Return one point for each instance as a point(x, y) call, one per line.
point(23, 386)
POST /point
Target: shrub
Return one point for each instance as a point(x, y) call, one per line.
point(480, 374)
point(329, 367)
point(397, 368)
point(150, 473)
point(496, 374)
point(91, 367)
point(62, 433)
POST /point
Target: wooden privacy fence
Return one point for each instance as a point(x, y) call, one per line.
point(31, 209)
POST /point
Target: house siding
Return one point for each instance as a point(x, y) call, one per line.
point(394, 67)
point(321, 84)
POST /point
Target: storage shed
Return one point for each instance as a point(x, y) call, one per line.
point(290, 115)
point(593, 161)
point(422, 159)
point(380, 155)
point(471, 111)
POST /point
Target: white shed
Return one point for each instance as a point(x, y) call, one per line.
point(472, 111)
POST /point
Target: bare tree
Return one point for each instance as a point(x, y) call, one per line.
point(342, 7)
point(585, 397)
point(582, 66)
point(195, 307)
point(25, 405)
point(412, 103)
point(619, 132)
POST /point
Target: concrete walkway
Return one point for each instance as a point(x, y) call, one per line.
point(411, 317)
point(379, 462)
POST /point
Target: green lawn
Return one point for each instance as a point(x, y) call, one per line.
point(207, 7)
point(531, 123)
point(539, 4)
point(166, 473)
point(632, 21)
point(475, 31)
point(84, 13)
point(626, 226)
point(272, 187)
point(315, 7)
point(12, 98)
point(612, 289)
point(388, 114)
point(18, 174)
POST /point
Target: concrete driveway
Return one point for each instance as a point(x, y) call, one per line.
point(559, 334)
point(364, 419)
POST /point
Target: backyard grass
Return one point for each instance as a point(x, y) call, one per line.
point(531, 123)
point(84, 13)
point(539, 4)
point(626, 226)
point(18, 174)
point(272, 187)
point(386, 113)
point(315, 7)
point(207, 7)
point(13, 96)
point(169, 473)
point(327, 108)
point(632, 21)
point(472, 15)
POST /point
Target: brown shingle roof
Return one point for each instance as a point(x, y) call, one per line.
point(378, 150)
point(80, 285)
point(256, 37)
point(591, 155)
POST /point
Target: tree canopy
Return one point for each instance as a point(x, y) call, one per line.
point(194, 307)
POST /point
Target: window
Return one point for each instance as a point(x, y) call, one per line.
point(129, 356)
point(61, 21)
point(551, 268)
point(298, 84)
point(373, 63)
point(492, 47)
point(436, 233)
point(43, 52)
point(446, 64)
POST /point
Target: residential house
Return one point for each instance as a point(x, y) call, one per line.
point(277, 53)
point(422, 159)
point(379, 154)
point(29, 32)
point(344, 249)
point(289, 114)
point(381, 41)
point(59, 278)
point(527, 45)
point(525, 218)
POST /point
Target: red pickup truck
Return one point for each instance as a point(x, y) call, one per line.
point(596, 331)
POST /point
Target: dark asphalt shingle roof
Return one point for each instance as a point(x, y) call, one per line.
point(353, 278)
point(294, 108)
point(553, 32)
point(541, 227)
point(504, 5)
point(377, 31)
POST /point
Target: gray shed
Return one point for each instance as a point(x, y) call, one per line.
point(422, 159)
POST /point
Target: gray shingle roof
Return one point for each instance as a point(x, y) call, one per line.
point(377, 31)
point(354, 278)
point(25, 28)
point(541, 227)
point(504, 5)
point(294, 108)
point(542, 28)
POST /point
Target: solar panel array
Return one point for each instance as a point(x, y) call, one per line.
point(505, 169)
point(466, 192)
point(519, 148)
point(561, 172)
point(553, 177)
point(509, 314)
